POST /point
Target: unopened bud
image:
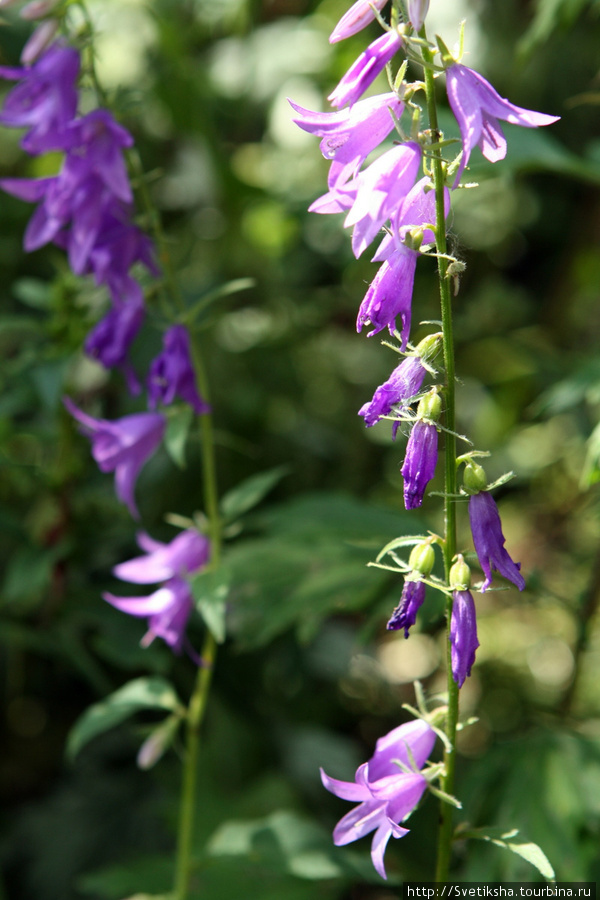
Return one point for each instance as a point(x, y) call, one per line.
point(413, 238)
point(430, 406)
point(429, 346)
point(474, 478)
point(37, 9)
point(460, 575)
point(422, 559)
point(38, 41)
point(417, 10)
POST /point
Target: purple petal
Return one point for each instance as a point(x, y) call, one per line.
point(419, 463)
point(463, 636)
point(185, 554)
point(416, 735)
point(365, 69)
point(358, 17)
point(359, 821)
point(346, 790)
point(489, 540)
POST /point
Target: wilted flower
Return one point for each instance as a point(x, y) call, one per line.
point(122, 446)
point(385, 793)
point(477, 107)
point(405, 614)
point(358, 17)
point(463, 635)
point(172, 372)
point(420, 461)
point(404, 382)
point(488, 539)
point(366, 69)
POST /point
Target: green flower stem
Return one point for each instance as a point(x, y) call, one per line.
point(445, 830)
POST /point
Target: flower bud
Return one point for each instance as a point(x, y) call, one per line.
point(37, 9)
point(422, 559)
point(460, 575)
point(39, 40)
point(430, 406)
point(413, 238)
point(474, 478)
point(428, 348)
point(417, 10)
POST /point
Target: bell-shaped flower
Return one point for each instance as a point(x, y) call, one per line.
point(109, 340)
point(463, 635)
point(360, 14)
point(385, 793)
point(405, 614)
point(403, 384)
point(172, 373)
point(365, 69)
point(390, 295)
point(350, 135)
point(187, 553)
point(45, 99)
point(477, 108)
point(488, 539)
point(122, 446)
point(420, 461)
point(167, 610)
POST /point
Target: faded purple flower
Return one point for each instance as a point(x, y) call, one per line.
point(167, 610)
point(45, 100)
point(366, 69)
point(419, 463)
point(350, 135)
point(463, 635)
point(109, 340)
point(122, 446)
point(358, 17)
point(188, 552)
point(488, 539)
point(405, 614)
point(477, 107)
point(172, 373)
point(39, 40)
point(385, 793)
point(417, 10)
point(404, 382)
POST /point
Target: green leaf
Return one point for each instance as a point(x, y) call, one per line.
point(590, 473)
point(549, 15)
point(248, 493)
point(32, 292)
point(178, 426)
point(210, 591)
point(510, 841)
point(141, 693)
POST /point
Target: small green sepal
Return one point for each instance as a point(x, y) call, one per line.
point(422, 559)
point(460, 575)
point(474, 478)
point(430, 406)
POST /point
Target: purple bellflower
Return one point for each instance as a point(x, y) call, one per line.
point(110, 339)
point(358, 17)
point(363, 72)
point(463, 636)
point(477, 108)
point(350, 135)
point(385, 793)
point(417, 10)
point(187, 553)
point(405, 614)
point(167, 610)
point(44, 101)
point(172, 373)
point(488, 539)
point(122, 446)
point(404, 382)
point(420, 461)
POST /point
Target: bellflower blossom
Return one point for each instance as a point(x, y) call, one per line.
point(110, 339)
point(172, 373)
point(488, 539)
point(122, 446)
point(363, 72)
point(420, 461)
point(477, 108)
point(350, 135)
point(404, 382)
point(385, 793)
point(167, 609)
point(405, 614)
point(463, 635)
point(358, 17)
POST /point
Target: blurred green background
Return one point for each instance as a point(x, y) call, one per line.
point(308, 675)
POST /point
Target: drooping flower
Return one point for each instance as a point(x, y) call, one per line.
point(404, 382)
point(365, 69)
point(122, 446)
point(168, 608)
point(420, 461)
point(463, 635)
point(172, 372)
point(385, 793)
point(358, 17)
point(350, 135)
point(109, 340)
point(405, 614)
point(389, 295)
point(488, 539)
point(477, 108)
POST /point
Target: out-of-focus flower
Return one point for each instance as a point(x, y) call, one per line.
point(40, 39)
point(350, 135)
point(358, 17)
point(122, 446)
point(110, 339)
point(365, 69)
point(172, 372)
point(187, 553)
point(488, 539)
point(385, 793)
point(417, 10)
point(463, 635)
point(167, 610)
point(477, 108)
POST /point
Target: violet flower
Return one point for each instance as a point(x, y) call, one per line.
point(365, 69)
point(404, 382)
point(385, 794)
point(188, 552)
point(358, 17)
point(488, 539)
point(405, 614)
point(109, 340)
point(417, 10)
point(172, 373)
point(463, 635)
point(167, 610)
point(420, 461)
point(389, 295)
point(122, 446)
point(477, 108)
